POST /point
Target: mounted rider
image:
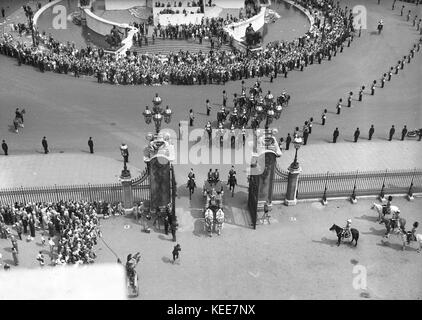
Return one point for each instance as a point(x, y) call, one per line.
point(346, 230)
point(216, 176)
point(232, 176)
point(387, 208)
point(191, 175)
point(232, 172)
point(396, 220)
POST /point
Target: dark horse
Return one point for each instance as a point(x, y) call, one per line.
point(390, 225)
point(191, 185)
point(232, 183)
point(340, 234)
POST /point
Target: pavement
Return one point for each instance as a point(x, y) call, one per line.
point(295, 257)
point(69, 168)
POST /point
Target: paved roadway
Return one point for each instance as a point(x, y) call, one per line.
point(69, 110)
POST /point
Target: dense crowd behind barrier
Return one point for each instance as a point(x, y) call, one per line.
point(217, 66)
point(72, 226)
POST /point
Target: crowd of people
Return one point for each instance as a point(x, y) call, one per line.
point(216, 66)
point(72, 227)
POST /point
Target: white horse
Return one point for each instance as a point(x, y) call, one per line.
point(209, 219)
point(379, 208)
point(418, 239)
point(219, 218)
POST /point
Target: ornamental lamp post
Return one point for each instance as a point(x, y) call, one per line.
point(125, 154)
point(297, 142)
point(157, 117)
point(157, 114)
point(278, 109)
point(270, 116)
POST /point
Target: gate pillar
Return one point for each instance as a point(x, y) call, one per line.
point(292, 185)
point(158, 156)
point(127, 192)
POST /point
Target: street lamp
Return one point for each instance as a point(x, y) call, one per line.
point(125, 154)
point(297, 142)
point(157, 114)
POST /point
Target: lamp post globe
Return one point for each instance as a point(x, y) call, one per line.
point(125, 153)
point(297, 142)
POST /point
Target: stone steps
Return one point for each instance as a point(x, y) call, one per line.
point(167, 46)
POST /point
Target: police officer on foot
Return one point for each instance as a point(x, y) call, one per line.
point(356, 135)
point(335, 135)
point(91, 145)
point(288, 141)
point(403, 133)
point(44, 145)
point(371, 132)
point(5, 147)
point(392, 131)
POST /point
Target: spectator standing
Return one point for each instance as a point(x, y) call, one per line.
point(51, 246)
point(19, 229)
point(40, 259)
point(336, 133)
point(403, 133)
point(288, 140)
point(5, 148)
point(356, 135)
point(15, 256)
point(420, 134)
point(14, 243)
point(371, 132)
point(392, 131)
point(91, 145)
point(44, 145)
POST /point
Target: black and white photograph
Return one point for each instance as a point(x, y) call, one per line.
point(210, 151)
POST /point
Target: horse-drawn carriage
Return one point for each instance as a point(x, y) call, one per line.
point(213, 212)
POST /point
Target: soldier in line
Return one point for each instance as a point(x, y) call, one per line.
point(356, 135)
